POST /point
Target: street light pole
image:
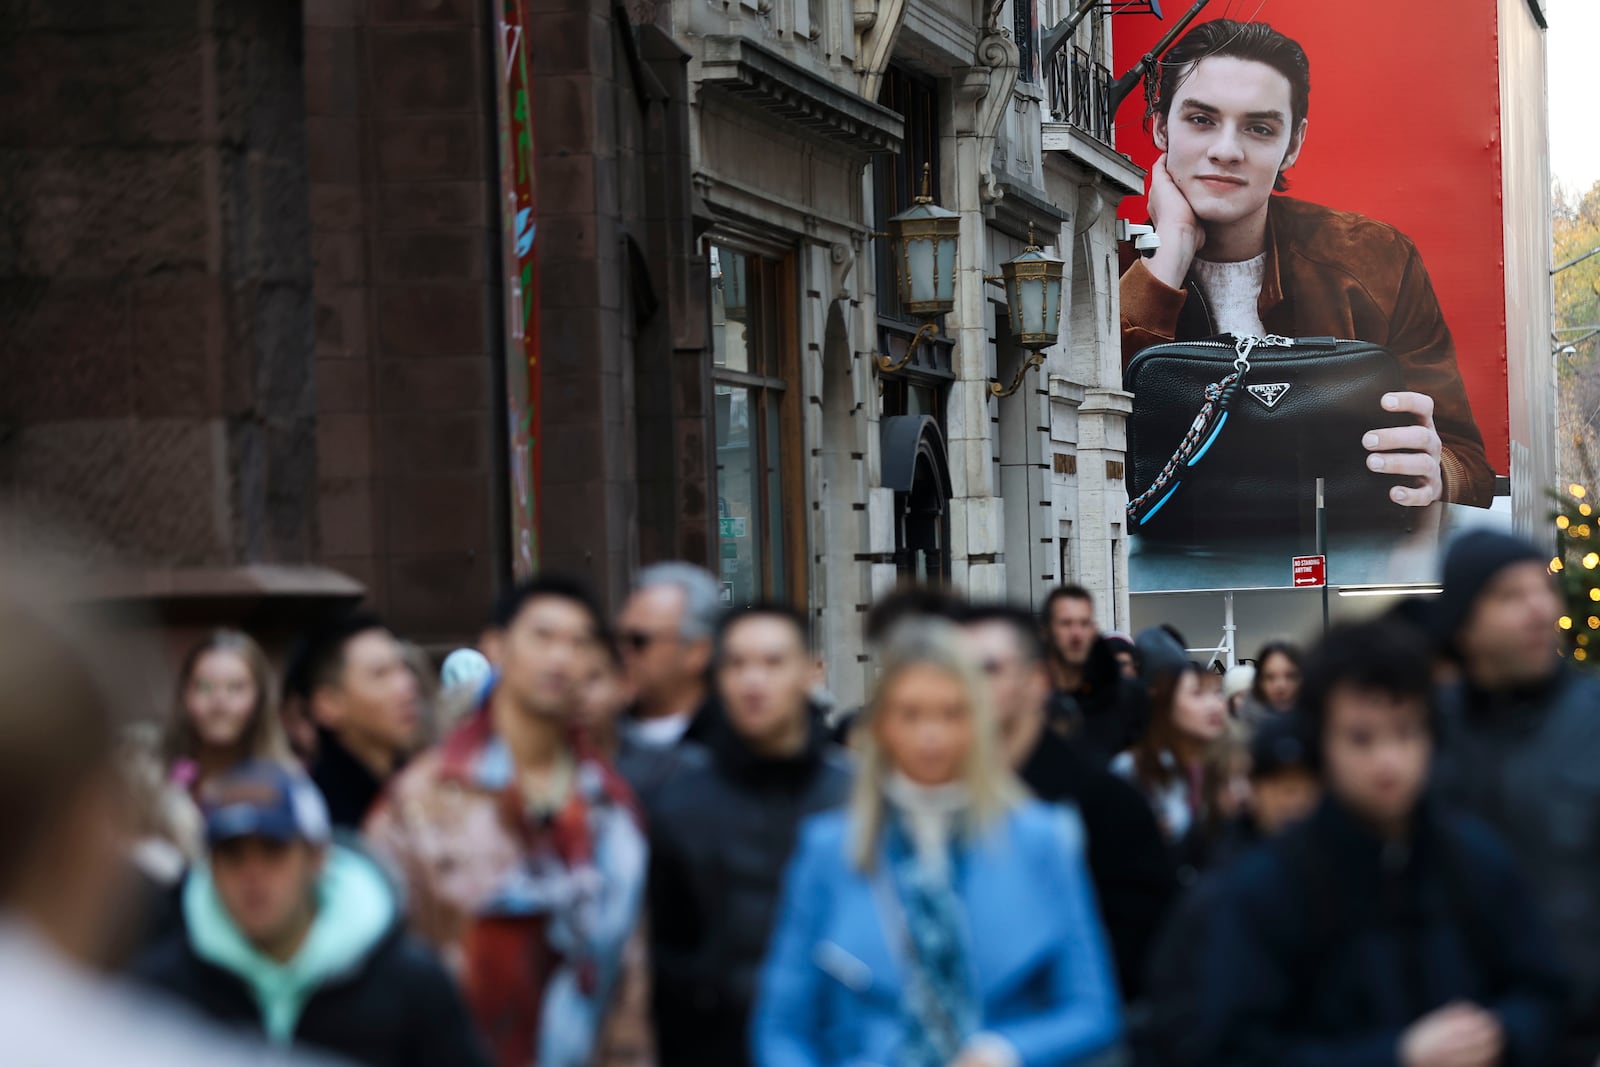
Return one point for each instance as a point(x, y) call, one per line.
point(1322, 547)
point(1575, 262)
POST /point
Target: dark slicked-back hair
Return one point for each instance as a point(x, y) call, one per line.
point(558, 586)
point(909, 602)
point(763, 610)
point(318, 660)
point(1225, 38)
point(1371, 657)
point(1022, 623)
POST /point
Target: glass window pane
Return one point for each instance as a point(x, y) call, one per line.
point(780, 584)
point(730, 309)
point(739, 518)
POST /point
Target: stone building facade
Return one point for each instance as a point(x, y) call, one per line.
point(813, 123)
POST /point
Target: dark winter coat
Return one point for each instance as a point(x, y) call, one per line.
point(1325, 944)
point(347, 784)
point(721, 837)
point(1108, 712)
point(1528, 764)
point(648, 768)
point(380, 1001)
point(1135, 880)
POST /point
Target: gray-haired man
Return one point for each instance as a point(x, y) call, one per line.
point(665, 632)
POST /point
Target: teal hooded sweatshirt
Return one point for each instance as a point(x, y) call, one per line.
point(356, 908)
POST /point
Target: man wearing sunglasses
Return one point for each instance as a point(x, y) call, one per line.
point(1133, 872)
point(665, 631)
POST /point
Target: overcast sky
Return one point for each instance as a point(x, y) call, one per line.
point(1574, 104)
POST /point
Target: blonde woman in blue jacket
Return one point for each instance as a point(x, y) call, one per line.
point(943, 920)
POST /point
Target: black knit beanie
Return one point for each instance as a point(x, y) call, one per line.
point(1159, 654)
point(1472, 563)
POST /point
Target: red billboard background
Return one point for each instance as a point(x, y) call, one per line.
point(1405, 128)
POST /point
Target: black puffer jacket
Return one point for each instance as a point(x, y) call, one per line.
point(389, 1002)
point(1108, 712)
point(1135, 880)
point(1528, 764)
point(721, 836)
point(648, 768)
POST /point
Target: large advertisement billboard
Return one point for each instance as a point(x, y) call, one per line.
point(1327, 301)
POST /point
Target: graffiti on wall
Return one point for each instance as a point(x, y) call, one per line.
point(519, 224)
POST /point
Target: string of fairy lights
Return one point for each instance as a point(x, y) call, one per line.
point(1578, 575)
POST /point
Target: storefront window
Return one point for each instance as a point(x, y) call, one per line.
point(751, 390)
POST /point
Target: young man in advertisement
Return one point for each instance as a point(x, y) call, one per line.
point(1229, 115)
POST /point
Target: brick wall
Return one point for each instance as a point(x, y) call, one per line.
point(155, 305)
point(400, 124)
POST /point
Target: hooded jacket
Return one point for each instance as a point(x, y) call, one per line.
point(1338, 274)
point(1324, 945)
point(1528, 763)
point(721, 837)
point(358, 987)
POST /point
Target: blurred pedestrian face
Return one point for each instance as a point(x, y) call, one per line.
point(604, 693)
point(545, 656)
point(1127, 665)
point(267, 888)
point(1198, 710)
point(1510, 635)
point(1280, 681)
point(1227, 136)
point(1018, 686)
point(764, 677)
point(1072, 629)
point(1284, 797)
point(659, 662)
point(924, 724)
point(375, 696)
point(221, 697)
point(1376, 748)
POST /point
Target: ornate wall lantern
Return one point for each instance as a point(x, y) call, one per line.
point(925, 237)
point(1033, 302)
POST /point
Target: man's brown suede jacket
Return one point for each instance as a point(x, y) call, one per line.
point(1338, 274)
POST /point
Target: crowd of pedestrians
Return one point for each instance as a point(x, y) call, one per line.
point(652, 839)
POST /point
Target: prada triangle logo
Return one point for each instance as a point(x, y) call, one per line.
point(1269, 394)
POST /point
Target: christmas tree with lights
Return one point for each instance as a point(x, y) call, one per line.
point(1577, 569)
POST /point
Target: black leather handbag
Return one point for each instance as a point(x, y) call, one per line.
point(1229, 435)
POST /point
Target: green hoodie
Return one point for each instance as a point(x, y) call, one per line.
point(356, 907)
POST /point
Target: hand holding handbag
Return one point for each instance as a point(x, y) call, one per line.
point(1229, 435)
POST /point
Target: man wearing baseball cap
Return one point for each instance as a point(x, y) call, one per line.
point(1520, 745)
point(299, 939)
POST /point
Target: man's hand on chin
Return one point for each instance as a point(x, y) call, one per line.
point(1182, 235)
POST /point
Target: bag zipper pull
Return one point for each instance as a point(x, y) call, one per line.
point(1242, 349)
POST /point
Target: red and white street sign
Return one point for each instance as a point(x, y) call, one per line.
point(1310, 571)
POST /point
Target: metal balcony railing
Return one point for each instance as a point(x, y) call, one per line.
point(1080, 91)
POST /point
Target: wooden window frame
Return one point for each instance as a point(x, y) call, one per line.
point(780, 373)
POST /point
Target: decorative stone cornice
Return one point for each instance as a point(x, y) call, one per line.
point(1023, 206)
point(877, 24)
point(763, 79)
point(992, 81)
